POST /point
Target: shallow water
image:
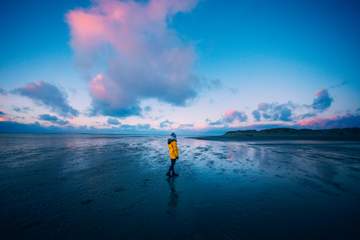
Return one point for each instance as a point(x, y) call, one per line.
point(92, 186)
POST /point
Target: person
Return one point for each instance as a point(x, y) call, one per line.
point(174, 155)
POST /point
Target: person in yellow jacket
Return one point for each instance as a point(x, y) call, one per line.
point(174, 154)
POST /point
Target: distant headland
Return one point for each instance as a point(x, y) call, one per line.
point(336, 134)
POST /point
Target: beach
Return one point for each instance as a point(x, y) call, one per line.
point(71, 186)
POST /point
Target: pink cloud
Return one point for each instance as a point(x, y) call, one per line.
point(334, 121)
point(138, 56)
point(321, 122)
point(97, 87)
point(3, 117)
point(86, 26)
point(229, 113)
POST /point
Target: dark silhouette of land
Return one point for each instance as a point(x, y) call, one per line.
point(336, 134)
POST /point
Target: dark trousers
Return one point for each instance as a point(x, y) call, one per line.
point(172, 166)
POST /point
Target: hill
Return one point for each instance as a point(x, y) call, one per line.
point(337, 134)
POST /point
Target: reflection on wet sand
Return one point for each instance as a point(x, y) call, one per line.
point(173, 196)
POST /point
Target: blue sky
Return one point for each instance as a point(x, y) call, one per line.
point(225, 58)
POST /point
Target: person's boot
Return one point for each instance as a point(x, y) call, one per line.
point(168, 174)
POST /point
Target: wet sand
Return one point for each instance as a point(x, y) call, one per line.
point(91, 186)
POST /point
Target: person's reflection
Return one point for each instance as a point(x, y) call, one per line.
point(173, 196)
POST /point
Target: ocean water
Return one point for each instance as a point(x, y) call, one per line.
point(114, 187)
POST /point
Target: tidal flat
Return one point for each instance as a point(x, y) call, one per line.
point(64, 186)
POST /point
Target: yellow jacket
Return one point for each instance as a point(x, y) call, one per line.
point(173, 149)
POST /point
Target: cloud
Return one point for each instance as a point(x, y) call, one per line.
point(233, 115)
point(166, 124)
point(343, 83)
point(322, 101)
point(335, 121)
point(274, 112)
point(48, 95)
point(133, 54)
point(113, 121)
point(3, 116)
point(233, 90)
point(212, 84)
point(348, 120)
point(136, 127)
point(215, 123)
point(257, 115)
point(52, 119)
point(306, 115)
point(18, 127)
point(147, 109)
point(229, 117)
point(290, 111)
point(21, 109)
point(186, 126)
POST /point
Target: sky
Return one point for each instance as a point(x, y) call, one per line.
point(189, 66)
